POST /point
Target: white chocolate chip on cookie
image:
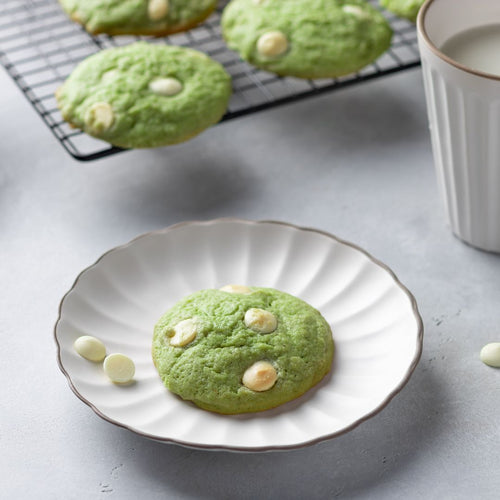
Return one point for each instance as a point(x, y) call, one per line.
point(184, 332)
point(157, 9)
point(119, 368)
point(109, 75)
point(271, 44)
point(77, 17)
point(99, 116)
point(165, 86)
point(236, 289)
point(90, 348)
point(261, 376)
point(355, 11)
point(260, 321)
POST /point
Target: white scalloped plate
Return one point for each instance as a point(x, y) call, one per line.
point(375, 321)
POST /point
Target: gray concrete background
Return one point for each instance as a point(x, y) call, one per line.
point(356, 163)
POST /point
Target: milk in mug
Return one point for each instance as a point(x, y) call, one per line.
point(477, 48)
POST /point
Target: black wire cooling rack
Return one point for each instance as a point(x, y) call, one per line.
point(40, 46)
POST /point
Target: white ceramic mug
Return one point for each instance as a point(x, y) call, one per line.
point(463, 107)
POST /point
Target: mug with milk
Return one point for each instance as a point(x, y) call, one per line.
point(459, 42)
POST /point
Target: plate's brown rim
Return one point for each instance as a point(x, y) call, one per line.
point(173, 227)
point(421, 28)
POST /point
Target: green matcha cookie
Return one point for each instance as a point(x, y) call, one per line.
point(306, 38)
point(138, 17)
point(144, 95)
point(241, 349)
point(403, 8)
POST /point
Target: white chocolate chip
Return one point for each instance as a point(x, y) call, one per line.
point(157, 9)
point(109, 75)
point(260, 321)
point(77, 17)
point(271, 44)
point(184, 332)
point(355, 11)
point(99, 116)
point(236, 289)
point(165, 86)
point(90, 348)
point(261, 376)
point(119, 368)
point(490, 354)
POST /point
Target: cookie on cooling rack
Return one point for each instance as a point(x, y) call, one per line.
point(145, 95)
point(403, 8)
point(241, 349)
point(138, 17)
point(306, 38)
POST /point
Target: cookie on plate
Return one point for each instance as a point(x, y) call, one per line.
point(403, 8)
point(241, 349)
point(306, 38)
point(145, 95)
point(138, 17)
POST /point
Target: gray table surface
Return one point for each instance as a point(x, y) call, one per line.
point(356, 163)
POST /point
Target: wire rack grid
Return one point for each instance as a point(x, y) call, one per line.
point(40, 46)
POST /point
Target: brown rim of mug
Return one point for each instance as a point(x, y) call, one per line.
point(420, 26)
point(265, 448)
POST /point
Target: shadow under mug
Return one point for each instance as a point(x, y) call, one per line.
point(463, 107)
